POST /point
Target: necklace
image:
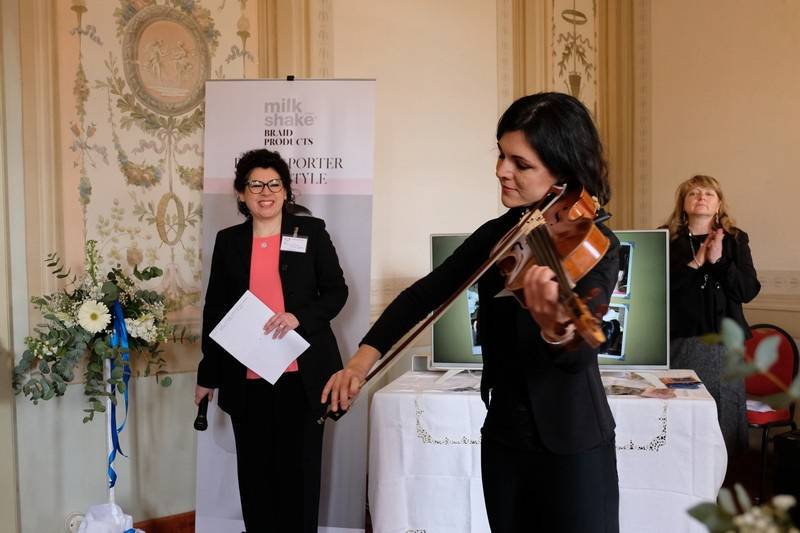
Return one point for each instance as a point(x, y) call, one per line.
point(691, 245)
point(694, 254)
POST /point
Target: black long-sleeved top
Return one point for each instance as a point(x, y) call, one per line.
point(560, 389)
point(700, 298)
point(314, 291)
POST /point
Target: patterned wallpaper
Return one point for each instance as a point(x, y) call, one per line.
point(574, 53)
point(132, 147)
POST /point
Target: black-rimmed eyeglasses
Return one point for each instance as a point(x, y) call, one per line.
point(257, 186)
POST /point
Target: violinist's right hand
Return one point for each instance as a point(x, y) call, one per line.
point(344, 385)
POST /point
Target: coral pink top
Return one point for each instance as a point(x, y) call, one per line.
point(265, 281)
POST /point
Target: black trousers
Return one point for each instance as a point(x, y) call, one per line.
point(278, 455)
point(530, 491)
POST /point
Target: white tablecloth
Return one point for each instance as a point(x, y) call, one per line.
point(425, 468)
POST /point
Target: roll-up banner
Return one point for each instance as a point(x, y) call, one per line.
point(324, 129)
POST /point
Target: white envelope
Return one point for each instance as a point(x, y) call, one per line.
point(241, 333)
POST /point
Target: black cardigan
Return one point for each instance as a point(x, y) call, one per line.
point(700, 298)
point(314, 291)
point(567, 401)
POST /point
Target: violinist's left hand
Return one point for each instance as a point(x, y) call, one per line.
point(281, 324)
point(541, 299)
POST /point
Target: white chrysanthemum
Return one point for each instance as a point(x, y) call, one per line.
point(784, 502)
point(93, 316)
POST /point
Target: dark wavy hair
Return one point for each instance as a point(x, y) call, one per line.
point(561, 131)
point(263, 158)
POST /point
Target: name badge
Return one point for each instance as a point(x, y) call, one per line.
point(293, 244)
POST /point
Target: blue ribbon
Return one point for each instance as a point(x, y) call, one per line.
point(119, 338)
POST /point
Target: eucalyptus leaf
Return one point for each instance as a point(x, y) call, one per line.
point(780, 400)
point(725, 500)
point(767, 352)
point(702, 511)
point(742, 497)
point(794, 389)
point(737, 369)
point(46, 392)
point(714, 518)
point(732, 334)
point(110, 292)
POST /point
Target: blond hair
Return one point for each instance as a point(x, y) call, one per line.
point(679, 220)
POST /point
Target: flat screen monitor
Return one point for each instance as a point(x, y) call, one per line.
point(636, 323)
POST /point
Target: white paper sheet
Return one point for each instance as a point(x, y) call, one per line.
point(241, 333)
point(759, 407)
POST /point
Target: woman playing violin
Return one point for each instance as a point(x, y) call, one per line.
point(547, 454)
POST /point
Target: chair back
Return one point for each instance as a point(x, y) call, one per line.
point(785, 368)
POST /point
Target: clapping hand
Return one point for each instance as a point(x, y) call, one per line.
point(713, 245)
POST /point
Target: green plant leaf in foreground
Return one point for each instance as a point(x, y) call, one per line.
point(767, 353)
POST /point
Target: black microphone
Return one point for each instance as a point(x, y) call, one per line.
point(201, 422)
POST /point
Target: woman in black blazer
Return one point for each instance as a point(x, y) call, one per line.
point(278, 442)
point(711, 276)
point(548, 457)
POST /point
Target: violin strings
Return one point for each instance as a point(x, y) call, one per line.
point(543, 245)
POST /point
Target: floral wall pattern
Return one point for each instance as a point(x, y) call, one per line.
point(132, 135)
point(575, 47)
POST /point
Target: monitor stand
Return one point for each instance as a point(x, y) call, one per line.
point(449, 374)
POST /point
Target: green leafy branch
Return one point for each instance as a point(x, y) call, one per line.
point(738, 365)
point(734, 512)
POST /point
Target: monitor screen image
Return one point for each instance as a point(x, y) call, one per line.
point(455, 344)
point(636, 323)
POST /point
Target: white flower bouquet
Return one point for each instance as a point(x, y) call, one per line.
point(78, 325)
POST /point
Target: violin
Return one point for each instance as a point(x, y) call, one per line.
point(561, 235)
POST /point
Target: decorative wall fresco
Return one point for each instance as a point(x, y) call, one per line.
point(575, 49)
point(134, 147)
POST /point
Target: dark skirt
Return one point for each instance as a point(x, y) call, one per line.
point(708, 360)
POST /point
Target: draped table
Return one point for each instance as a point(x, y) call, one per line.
point(425, 468)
